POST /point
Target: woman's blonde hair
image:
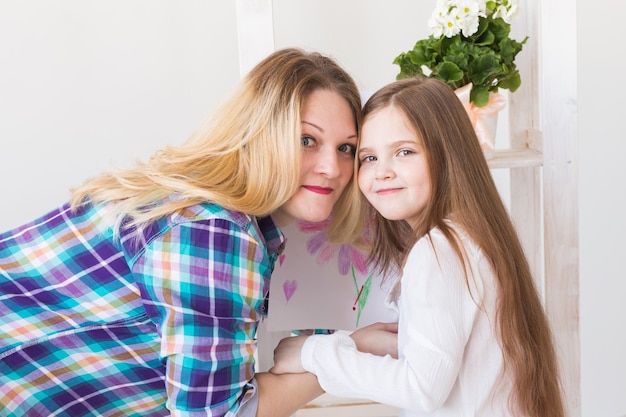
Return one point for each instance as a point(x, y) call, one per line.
point(246, 157)
point(463, 191)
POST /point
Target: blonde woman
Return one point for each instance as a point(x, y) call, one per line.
point(142, 295)
point(472, 337)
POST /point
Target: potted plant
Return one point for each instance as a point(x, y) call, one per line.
point(468, 45)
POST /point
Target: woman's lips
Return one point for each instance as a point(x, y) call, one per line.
point(318, 190)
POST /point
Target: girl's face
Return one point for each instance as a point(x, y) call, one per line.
point(329, 139)
point(393, 173)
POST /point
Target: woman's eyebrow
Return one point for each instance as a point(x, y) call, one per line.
point(353, 136)
point(314, 125)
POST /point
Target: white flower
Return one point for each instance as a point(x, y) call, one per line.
point(469, 25)
point(450, 24)
point(482, 8)
point(435, 26)
point(452, 17)
point(468, 12)
point(505, 11)
point(470, 7)
point(437, 18)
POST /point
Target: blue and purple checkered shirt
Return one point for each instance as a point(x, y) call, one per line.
point(141, 324)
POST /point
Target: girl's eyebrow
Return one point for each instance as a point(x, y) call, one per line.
point(392, 145)
point(399, 143)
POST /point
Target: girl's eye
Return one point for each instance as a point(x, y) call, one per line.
point(405, 152)
point(307, 141)
point(368, 158)
point(348, 148)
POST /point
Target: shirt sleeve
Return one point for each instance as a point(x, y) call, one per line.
point(202, 284)
point(437, 315)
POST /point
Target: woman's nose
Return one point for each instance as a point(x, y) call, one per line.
point(328, 164)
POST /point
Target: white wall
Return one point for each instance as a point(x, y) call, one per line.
point(602, 149)
point(87, 83)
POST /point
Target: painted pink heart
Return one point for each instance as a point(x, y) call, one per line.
point(289, 287)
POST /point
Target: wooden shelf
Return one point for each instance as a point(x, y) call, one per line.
point(514, 158)
point(330, 406)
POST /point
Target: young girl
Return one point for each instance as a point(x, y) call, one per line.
point(473, 339)
point(142, 296)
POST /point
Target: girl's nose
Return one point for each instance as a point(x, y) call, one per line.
point(383, 171)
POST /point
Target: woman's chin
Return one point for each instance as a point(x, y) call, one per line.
point(316, 218)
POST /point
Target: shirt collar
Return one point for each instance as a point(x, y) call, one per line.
point(274, 237)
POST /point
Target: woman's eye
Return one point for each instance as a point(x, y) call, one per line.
point(348, 148)
point(307, 141)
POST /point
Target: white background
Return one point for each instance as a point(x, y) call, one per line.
point(85, 84)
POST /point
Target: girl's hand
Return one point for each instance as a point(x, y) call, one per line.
point(287, 356)
point(378, 339)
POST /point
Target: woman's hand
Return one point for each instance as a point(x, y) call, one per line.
point(378, 339)
point(287, 356)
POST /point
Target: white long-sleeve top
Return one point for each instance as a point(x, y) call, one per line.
point(449, 357)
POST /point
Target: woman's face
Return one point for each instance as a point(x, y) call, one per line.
point(393, 174)
point(329, 140)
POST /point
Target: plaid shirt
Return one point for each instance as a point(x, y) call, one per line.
point(94, 324)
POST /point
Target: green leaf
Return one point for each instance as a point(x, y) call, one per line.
point(479, 95)
point(484, 70)
point(483, 25)
point(486, 39)
point(362, 300)
point(460, 53)
point(448, 72)
point(512, 82)
point(499, 28)
point(407, 67)
point(422, 55)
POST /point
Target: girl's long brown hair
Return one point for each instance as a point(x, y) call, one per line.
point(463, 191)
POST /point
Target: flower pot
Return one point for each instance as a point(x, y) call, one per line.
point(484, 119)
